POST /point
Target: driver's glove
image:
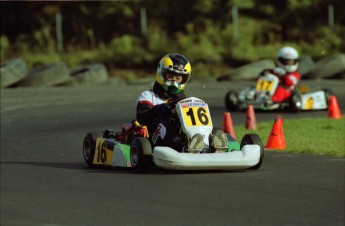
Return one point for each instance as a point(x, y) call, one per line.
point(174, 101)
point(164, 111)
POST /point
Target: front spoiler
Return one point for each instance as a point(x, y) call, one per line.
point(168, 158)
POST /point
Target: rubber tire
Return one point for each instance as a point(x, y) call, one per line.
point(327, 67)
point(328, 94)
point(248, 71)
point(141, 160)
point(46, 75)
point(92, 74)
point(12, 71)
point(232, 101)
point(252, 138)
point(305, 65)
point(89, 147)
point(295, 100)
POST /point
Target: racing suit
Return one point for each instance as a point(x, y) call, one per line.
point(155, 109)
point(287, 83)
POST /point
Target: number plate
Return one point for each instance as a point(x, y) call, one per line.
point(195, 117)
point(196, 114)
point(267, 84)
point(264, 85)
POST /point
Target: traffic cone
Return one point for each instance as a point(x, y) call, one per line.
point(333, 108)
point(228, 127)
point(276, 139)
point(250, 119)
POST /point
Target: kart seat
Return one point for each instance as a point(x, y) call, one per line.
point(135, 127)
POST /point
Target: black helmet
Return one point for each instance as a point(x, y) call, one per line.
point(176, 64)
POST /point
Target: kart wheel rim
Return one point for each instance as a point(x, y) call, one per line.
point(134, 156)
point(87, 150)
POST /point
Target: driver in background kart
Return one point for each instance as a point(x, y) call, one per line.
point(286, 70)
point(156, 108)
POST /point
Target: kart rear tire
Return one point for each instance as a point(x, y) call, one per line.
point(252, 138)
point(232, 101)
point(295, 102)
point(141, 155)
point(328, 94)
point(89, 147)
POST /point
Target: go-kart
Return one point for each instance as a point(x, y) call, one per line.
point(260, 95)
point(131, 147)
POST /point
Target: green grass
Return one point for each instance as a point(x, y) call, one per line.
point(319, 136)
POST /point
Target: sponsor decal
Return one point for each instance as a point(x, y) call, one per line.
point(188, 105)
point(160, 132)
point(103, 155)
point(309, 104)
point(185, 101)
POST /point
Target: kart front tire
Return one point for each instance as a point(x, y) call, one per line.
point(232, 101)
point(89, 147)
point(141, 155)
point(252, 138)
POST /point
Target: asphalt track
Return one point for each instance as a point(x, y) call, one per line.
point(44, 180)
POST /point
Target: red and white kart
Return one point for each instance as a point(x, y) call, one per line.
point(266, 85)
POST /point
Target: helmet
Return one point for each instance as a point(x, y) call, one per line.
point(174, 64)
point(287, 58)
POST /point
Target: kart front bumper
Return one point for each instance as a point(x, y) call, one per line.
point(168, 158)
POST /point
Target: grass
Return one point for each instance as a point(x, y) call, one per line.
point(319, 136)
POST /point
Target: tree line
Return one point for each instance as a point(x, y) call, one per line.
point(137, 33)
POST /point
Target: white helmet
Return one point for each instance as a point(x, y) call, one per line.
point(287, 58)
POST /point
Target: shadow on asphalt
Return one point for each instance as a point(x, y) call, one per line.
point(106, 169)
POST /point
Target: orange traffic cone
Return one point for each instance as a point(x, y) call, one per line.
point(228, 127)
point(250, 119)
point(276, 139)
point(333, 108)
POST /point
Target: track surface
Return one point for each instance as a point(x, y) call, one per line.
point(44, 180)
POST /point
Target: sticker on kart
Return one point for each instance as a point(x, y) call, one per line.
point(103, 153)
point(196, 114)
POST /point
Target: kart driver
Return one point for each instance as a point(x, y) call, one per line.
point(156, 108)
point(286, 70)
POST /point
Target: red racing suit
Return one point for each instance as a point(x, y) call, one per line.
point(287, 84)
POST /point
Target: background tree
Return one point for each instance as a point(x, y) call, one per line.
point(109, 31)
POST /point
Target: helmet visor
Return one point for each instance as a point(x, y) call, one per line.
point(169, 75)
point(287, 61)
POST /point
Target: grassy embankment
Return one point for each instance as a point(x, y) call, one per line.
point(320, 136)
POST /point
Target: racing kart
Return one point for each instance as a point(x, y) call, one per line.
point(131, 147)
point(260, 95)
